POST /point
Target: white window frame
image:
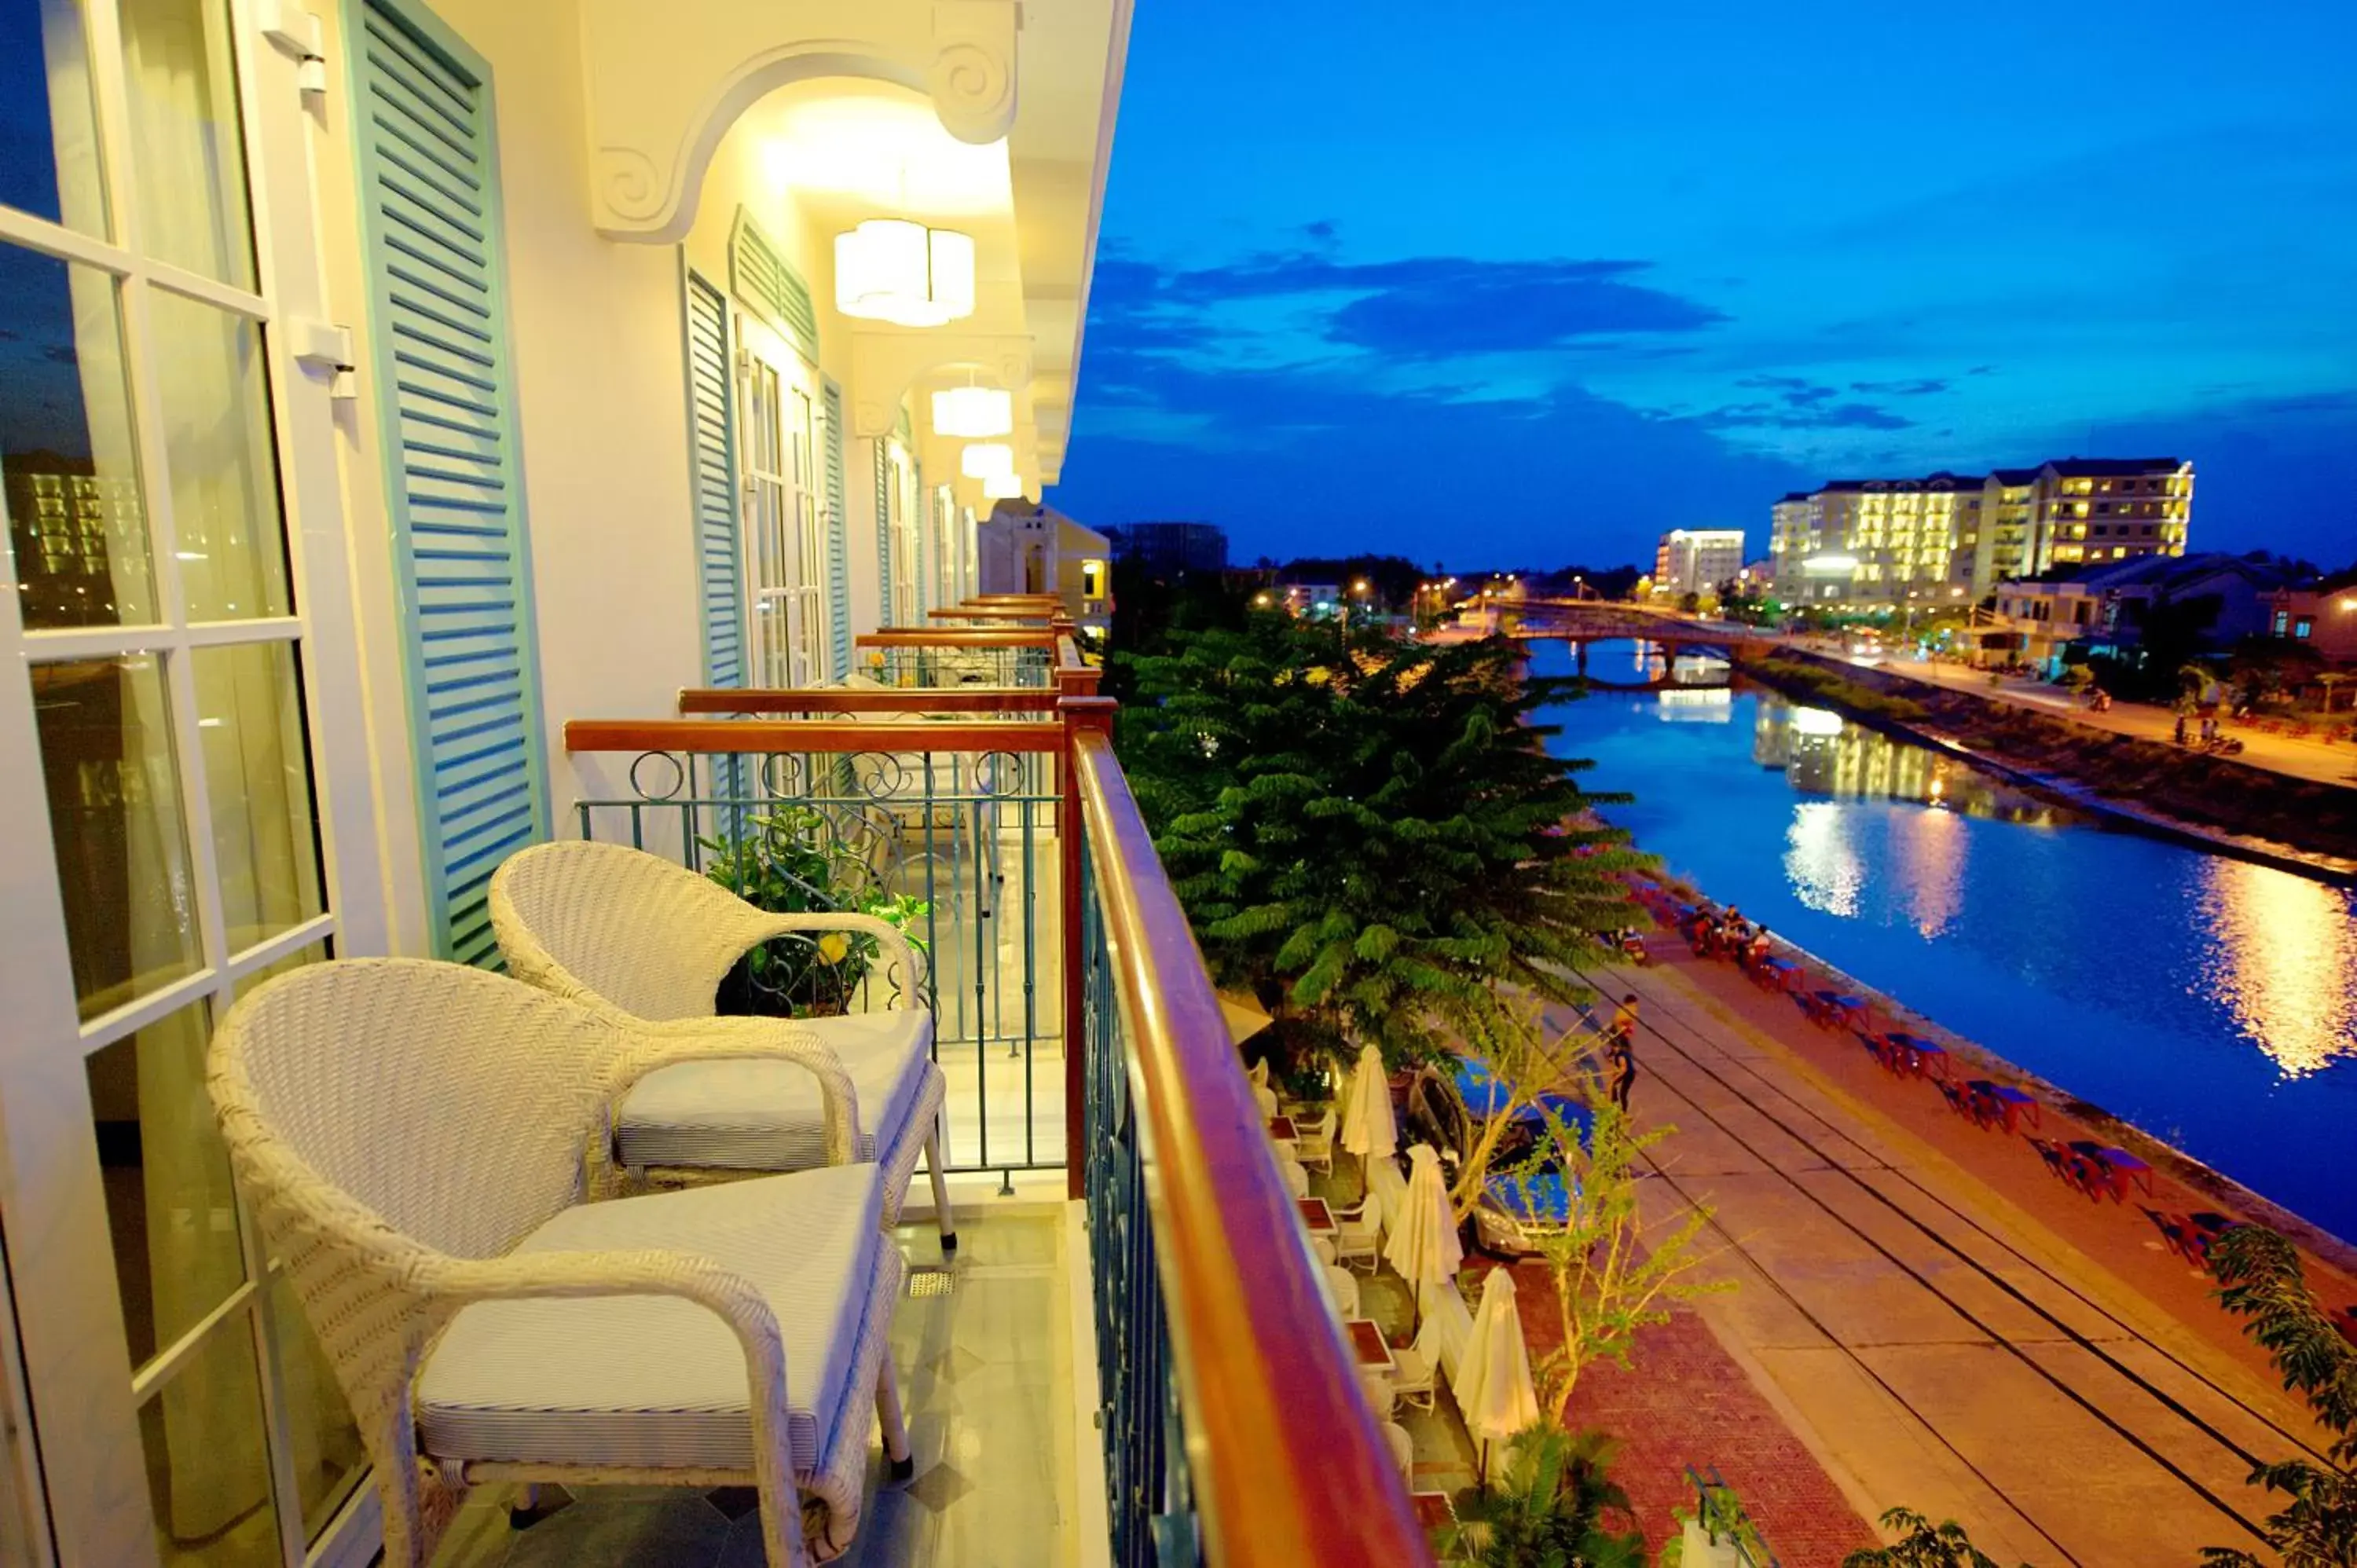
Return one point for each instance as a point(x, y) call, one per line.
point(782, 510)
point(77, 1378)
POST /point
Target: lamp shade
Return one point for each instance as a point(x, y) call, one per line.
point(986, 459)
point(1003, 487)
point(890, 269)
point(974, 412)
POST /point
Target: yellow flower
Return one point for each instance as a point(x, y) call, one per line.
point(833, 946)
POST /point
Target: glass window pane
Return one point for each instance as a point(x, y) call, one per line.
point(250, 724)
point(49, 137)
point(330, 1464)
point(170, 1207)
point(207, 1470)
point(187, 152)
point(115, 822)
point(229, 533)
point(67, 473)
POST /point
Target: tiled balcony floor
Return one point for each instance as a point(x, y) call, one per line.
point(986, 1379)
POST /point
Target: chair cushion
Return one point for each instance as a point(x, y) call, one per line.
point(768, 1115)
point(656, 1381)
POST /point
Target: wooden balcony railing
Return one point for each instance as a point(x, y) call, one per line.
point(1232, 1418)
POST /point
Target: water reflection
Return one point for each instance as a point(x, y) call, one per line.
point(2283, 952)
point(1826, 868)
point(1820, 753)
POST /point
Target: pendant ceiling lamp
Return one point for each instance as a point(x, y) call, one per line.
point(971, 413)
point(987, 460)
point(1004, 487)
point(890, 269)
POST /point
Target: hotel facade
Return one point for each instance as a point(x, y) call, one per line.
point(1948, 538)
point(435, 428)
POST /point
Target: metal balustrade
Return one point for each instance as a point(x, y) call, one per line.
point(1233, 1427)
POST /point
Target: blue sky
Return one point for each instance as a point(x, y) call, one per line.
point(1532, 281)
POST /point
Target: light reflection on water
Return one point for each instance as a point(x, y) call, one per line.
point(2211, 1001)
point(2284, 949)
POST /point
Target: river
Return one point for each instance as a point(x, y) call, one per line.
point(2209, 1001)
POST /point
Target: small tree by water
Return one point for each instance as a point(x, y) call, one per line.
point(1368, 834)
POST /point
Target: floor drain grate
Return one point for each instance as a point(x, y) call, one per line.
point(925, 1281)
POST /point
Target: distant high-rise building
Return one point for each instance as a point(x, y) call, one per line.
point(1171, 547)
point(1876, 542)
point(1696, 560)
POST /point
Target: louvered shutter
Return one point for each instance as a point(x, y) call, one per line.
point(924, 534)
point(883, 532)
point(838, 531)
point(720, 571)
point(445, 398)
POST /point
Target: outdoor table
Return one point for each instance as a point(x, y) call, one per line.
point(1922, 1050)
point(1831, 1008)
point(1281, 1130)
point(2006, 1102)
point(1778, 972)
point(1316, 1218)
point(1433, 1511)
point(1367, 1343)
point(2128, 1165)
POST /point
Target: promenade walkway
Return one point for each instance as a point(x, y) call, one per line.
point(2321, 762)
point(1945, 1325)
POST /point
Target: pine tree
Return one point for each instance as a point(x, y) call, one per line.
point(1368, 834)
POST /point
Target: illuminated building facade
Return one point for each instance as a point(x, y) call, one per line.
point(1696, 560)
point(1883, 543)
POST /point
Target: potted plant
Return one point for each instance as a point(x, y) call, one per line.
point(788, 862)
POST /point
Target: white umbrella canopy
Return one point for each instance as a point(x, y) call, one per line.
point(1493, 1378)
point(1368, 1129)
point(1424, 1246)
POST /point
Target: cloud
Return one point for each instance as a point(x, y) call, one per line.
point(1922, 388)
point(1420, 307)
point(1813, 415)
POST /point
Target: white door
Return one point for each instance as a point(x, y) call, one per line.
point(785, 541)
point(190, 808)
point(900, 499)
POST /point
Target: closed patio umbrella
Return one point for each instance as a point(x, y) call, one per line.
point(1368, 1129)
point(1493, 1379)
point(1424, 1248)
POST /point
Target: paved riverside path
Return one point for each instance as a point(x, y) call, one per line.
point(1948, 1328)
point(2317, 761)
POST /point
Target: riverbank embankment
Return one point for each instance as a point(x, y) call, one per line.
point(2208, 801)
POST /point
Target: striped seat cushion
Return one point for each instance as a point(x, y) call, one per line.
point(767, 1115)
point(656, 1381)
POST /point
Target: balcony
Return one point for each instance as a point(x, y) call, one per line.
point(1127, 1230)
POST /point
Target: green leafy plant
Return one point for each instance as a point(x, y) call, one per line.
point(2261, 1280)
point(1611, 1277)
point(787, 862)
point(1921, 1544)
point(1544, 1509)
point(1370, 834)
point(1722, 1516)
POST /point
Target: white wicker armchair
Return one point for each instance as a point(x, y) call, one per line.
point(413, 1135)
point(647, 942)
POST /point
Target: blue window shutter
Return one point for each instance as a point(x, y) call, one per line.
point(884, 532)
point(720, 575)
point(446, 404)
point(768, 283)
point(838, 529)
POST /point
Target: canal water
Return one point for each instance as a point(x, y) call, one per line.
point(2209, 1001)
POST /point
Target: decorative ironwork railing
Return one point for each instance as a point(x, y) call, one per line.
point(947, 829)
point(923, 657)
point(1234, 1426)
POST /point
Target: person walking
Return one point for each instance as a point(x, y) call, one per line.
point(1620, 1051)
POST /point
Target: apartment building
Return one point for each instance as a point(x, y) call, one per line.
point(1882, 544)
point(1696, 560)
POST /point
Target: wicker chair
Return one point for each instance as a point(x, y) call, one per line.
point(647, 942)
point(413, 1135)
